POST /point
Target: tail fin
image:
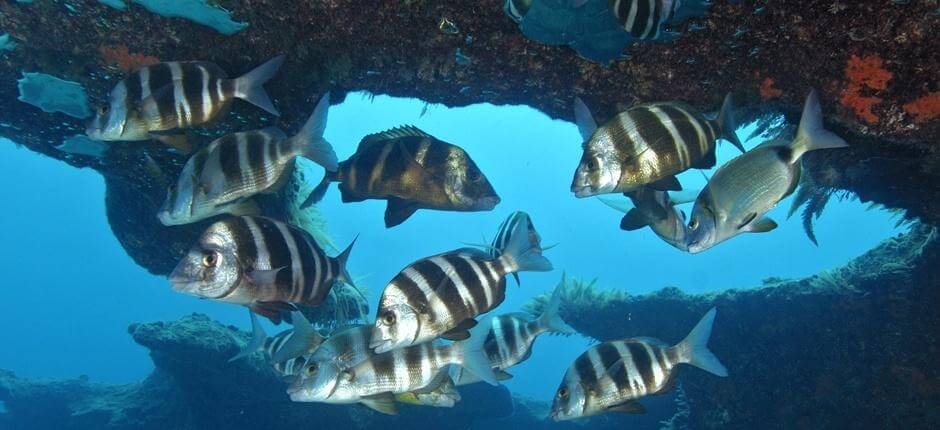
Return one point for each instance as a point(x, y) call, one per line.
point(550, 320)
point(472, 356)
point(248, 87)
point(304, 340)
point(317, 194)
point(521, 255)
point(341, 263)
point(694, 348)
point(812, 134)
point(310, 143)
point(258, 336)
point(728, 123)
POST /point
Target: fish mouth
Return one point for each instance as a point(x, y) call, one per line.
point(582, 191)
point(488, 203)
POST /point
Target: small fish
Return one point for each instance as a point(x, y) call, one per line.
point(644, 19)
point(439, 296)
point(412, 170)
point(744, 189)
point(648, 144)
point(505, 230)
point(510, 338)
point(417, 368)
point(611, 376)
point(166, 97)
point(286, 350)
point(224, 175)
point(657, 210)
point(261, 263)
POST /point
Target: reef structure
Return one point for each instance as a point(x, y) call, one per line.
point(875, 65)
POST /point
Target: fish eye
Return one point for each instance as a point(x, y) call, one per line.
point(388, 318)
point(563, 393)
point(210, 259)
point(103, 110)
point(693, 224)
point(591, 164)
point(474, 176)
point(311, 369)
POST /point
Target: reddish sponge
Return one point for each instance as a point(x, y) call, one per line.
point(864, 73)
point(926, 108)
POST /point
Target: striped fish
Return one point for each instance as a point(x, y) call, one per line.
point(411, 170)
point(441, 295)
point(648, 144)
point(165, 97)
point(644, 19)
point(656, 209)
point(611, 376)
point(221, 177)
point(510, 338)
point(285, 351)
point(346, 349)
point(506, 228)
point(261, 263)
point(417, 368)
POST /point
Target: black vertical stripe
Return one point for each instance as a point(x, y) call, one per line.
point(470, 280)
point(229, 156)
point(254, 145)
point(192, 92)
point(623, 11)
point(413, 294)
point(366, 161)
point(490, 345)
point(443, 287)
point(244, 243)
point(584, 369)
point(656, 19)
point(310, 291)
point(642, 16)
point(159, 76)
point(643, 365)
point(685, 129)
point(652, 130)
point(278, 252)
point(384, 365)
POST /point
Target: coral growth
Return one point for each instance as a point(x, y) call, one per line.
point(120, 57)
point(864, 74)
point(767, 89)
point(926, 108)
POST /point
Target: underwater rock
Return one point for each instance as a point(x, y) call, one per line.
point(853, 347)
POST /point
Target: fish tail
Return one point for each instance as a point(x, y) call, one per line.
point(341, 263)
point(310, 143)
point(304, 339)
point(249, 87)
point(472, 356)
point(694, 348)
point(551, 320)
point(812, 134)
point(319, 191)
point(521, 255)
point(258, 336)
point(728, 123)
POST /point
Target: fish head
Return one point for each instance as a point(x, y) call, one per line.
point(466, 186)
point(177, 207)
point(211, 268)
point(702, 231)
point(316, 382)
point(396, 324)
point(570, 400)
point(108, 123)
point(598, 171)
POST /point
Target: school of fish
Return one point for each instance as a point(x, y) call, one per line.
point(433, 330)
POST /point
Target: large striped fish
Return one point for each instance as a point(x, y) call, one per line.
point(657, 210)
point(510, 338)
point(644, 19)
point(505, 230)
point(221, 177)
point(647, 144)
point(611, 376)
point(411, 170)
point(261, 263)
point(440, 296)
point(165, 97)
point(343, 350)
point(285, 351)
point(416, 368)
point(744, 189)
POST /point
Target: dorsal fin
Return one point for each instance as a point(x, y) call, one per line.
point(394, 133)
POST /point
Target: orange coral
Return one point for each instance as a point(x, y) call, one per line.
point(120, 56)
point(767, 90)
point(925, 108)
point(864, 72)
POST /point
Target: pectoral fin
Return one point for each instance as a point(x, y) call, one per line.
point(384, 403)
point(669, 183)
point(398, 210)
point(762, 225)
point(273, 311)
point(263, 277)
point(461, 331)
point(628, 407)
point(633, 220)
point(175, 141)
point(501, 375)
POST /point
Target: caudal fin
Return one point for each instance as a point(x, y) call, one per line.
point(521, 255)
point(310, 143)
point(728, 123)
point(694, 348)
point(258, 337)
point(472, 356)
point(303, 340)
point(550, 320)
point(317, 194)
point(812, 134)
point(249, 87)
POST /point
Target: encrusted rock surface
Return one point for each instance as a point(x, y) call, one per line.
point(875, 64)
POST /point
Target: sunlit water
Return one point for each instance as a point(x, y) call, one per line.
point(71, 291)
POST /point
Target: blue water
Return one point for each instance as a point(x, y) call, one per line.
point(70, 291)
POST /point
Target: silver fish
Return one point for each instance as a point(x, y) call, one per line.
point(286, 350)
point(441, 295)
point(744, 189)
point(657, 210)
point(611, 376)
point(221, 177)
